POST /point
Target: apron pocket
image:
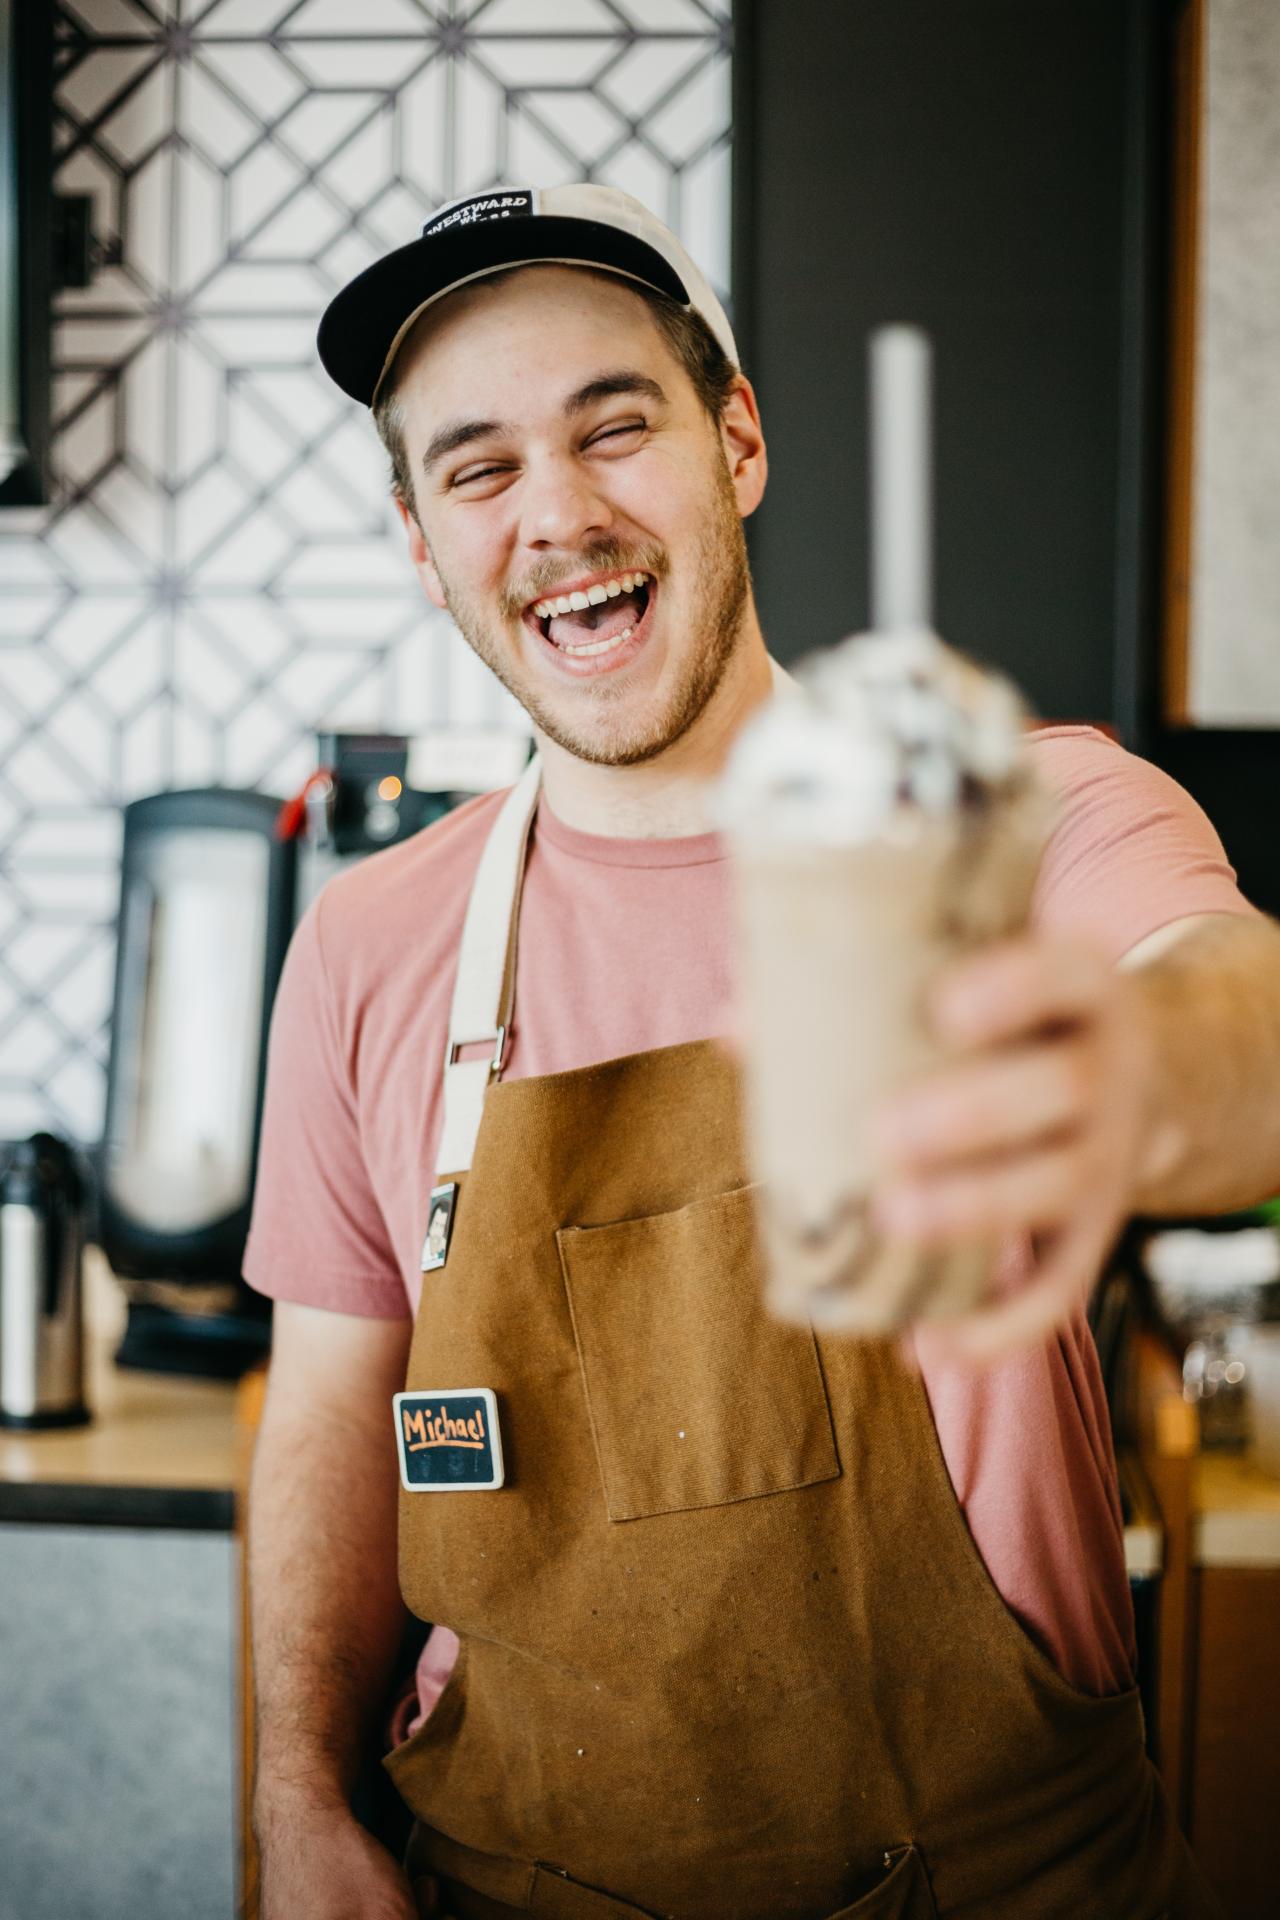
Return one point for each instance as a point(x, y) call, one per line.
point(551, 1897)
point(469, 1885)
point(903, 1894)
point(696, 1397)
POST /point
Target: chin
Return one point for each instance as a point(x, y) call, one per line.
point(625, 732)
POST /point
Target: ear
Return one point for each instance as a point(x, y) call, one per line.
point(744, 450)
point(420, 554)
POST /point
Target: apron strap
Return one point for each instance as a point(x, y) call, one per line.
point(485, 986)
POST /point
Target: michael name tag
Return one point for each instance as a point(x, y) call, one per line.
point(449, 1442)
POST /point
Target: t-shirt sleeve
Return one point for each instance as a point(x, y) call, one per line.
point(317, 1234)
point(1130, 851)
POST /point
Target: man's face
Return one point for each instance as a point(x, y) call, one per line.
point(558, 449)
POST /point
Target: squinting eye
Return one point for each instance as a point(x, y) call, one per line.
point(478, 473)
point(613, 433)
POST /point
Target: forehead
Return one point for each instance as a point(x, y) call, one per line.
point(530, 335)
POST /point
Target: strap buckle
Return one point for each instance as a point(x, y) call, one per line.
point(454, 1047)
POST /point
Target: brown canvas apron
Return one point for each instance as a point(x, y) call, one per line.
point(728, 1648)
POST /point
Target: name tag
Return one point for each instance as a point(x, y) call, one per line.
point(449, 1442)
point(435, 1248)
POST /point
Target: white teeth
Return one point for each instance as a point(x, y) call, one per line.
point(600, 646)
point(593, 596)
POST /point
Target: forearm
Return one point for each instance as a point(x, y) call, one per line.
point(1211, 1009)
point(327, 1617)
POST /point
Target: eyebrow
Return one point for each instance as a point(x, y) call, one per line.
point(605, 386)
point(608, 385)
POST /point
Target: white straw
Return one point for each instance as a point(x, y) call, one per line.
point(901, 480)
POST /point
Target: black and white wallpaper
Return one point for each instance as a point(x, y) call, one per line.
point(221, 572)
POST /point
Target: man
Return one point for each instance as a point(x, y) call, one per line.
point(838, 1635)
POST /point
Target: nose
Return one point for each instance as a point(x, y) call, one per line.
point(562, 507)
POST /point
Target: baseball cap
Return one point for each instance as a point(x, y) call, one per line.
point(580, 225)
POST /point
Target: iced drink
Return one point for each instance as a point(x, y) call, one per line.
point(882, 819)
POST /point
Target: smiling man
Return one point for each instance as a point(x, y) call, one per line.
point(643, 472)
point(729, 1622)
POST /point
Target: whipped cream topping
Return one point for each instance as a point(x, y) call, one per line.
point(874, 731)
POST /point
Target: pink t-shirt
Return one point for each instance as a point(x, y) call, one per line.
point(625, 946)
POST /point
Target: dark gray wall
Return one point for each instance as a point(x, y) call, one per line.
point(962, 166)
point(996, 170)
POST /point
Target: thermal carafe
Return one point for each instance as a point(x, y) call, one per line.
point(41, 1311)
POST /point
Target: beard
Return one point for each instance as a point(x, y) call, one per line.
point(612, 736)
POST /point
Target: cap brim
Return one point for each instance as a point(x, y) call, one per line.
point(360, 323)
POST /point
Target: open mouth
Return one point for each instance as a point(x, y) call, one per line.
point(594, 623)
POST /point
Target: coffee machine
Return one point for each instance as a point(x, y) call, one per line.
point(206, 909)
point(212, 883)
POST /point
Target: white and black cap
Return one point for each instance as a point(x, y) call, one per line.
point(581, 225)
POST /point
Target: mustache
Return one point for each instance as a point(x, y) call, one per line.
point(607, 556)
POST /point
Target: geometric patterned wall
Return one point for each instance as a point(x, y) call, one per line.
point(221, 572)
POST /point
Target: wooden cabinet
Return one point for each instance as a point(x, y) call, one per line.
point(1234, 1789)
point(1217, 1692)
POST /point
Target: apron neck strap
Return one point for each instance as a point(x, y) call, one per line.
point(485, 985)
point(484, 990)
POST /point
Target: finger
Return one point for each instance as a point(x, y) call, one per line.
point(1017, 988)
point(1026, 1318)
point(987, 1199)
point(989, 1105)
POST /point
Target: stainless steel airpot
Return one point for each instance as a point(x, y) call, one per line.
point(41, 1316)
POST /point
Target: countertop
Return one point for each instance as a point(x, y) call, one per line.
point(170, 1451)
point(162, 1449)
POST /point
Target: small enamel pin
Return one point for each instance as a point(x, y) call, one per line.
point(449, 1441)
point(435, 1248)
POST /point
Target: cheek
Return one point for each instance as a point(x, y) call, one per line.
point(660, 497)
point(468, 558)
